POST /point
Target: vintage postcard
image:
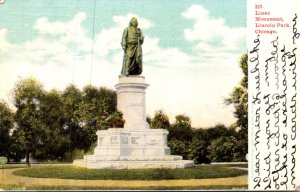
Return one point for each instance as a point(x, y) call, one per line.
point(149, 95)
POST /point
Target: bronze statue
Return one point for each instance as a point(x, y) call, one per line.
point(132, 41)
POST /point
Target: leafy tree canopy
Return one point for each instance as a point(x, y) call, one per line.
point(6, 125)
point(160, 120)
point(239, 98)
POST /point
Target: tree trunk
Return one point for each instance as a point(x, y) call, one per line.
point(8, 158)
point(27, 156)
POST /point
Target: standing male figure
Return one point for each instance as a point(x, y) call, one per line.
point(132, 41)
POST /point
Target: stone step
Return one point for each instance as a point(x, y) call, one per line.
point(132, 158)
point(174, 164)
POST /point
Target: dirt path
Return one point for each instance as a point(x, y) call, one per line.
point(7, 178)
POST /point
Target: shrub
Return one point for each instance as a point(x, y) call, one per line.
point(115, 120)
point(178, 148)
point(198, 151)
point(75, 154)
point(227, 149)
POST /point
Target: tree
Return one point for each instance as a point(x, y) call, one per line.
point(218, 131)
point(239, 99)
point(27, 96)
point(52, 121)
point(115, 120)
point(86, 112)
point(71, 98)
point(108, 99)
point(96, 109)
point(227, 149)
point(198, 151)
point(96, 106)
point(6, 125)
point(160, 120)
point(181, 129)
point(50, 124)
point(222, 149)
point(241, 149)
point(180, 136)
point(182, 121)
point(178, 147)
point(17, 146)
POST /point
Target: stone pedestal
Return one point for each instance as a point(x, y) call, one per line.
point(132, 102)
point(135, 145)
point(121, 144)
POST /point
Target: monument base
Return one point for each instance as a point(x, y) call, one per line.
point(136, 145)
point(119, 148)
point(178, 164)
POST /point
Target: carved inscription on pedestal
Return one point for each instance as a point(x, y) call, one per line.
point(114, 140)
point(124, 140)
point(135, 140)
point(153, 142)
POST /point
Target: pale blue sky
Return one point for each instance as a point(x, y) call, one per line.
point(190, 53)
point(19, 16)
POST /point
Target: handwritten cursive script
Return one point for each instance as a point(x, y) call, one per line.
point(273, 119)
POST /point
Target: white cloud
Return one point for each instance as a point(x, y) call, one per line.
point(5, 46)
point(43, 26)
point(70, 34)
point(206, 30)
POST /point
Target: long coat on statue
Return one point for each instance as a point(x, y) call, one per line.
point(132, 40)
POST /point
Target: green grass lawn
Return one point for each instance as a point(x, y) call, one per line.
point(13, 166)
point(240, 165)
point(73, 172)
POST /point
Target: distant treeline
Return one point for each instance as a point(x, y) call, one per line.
point(203, 145)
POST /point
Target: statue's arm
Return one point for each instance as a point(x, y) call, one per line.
point(123, 43)
point(141, 37)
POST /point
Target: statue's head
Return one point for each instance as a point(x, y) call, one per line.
point(133, 22)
